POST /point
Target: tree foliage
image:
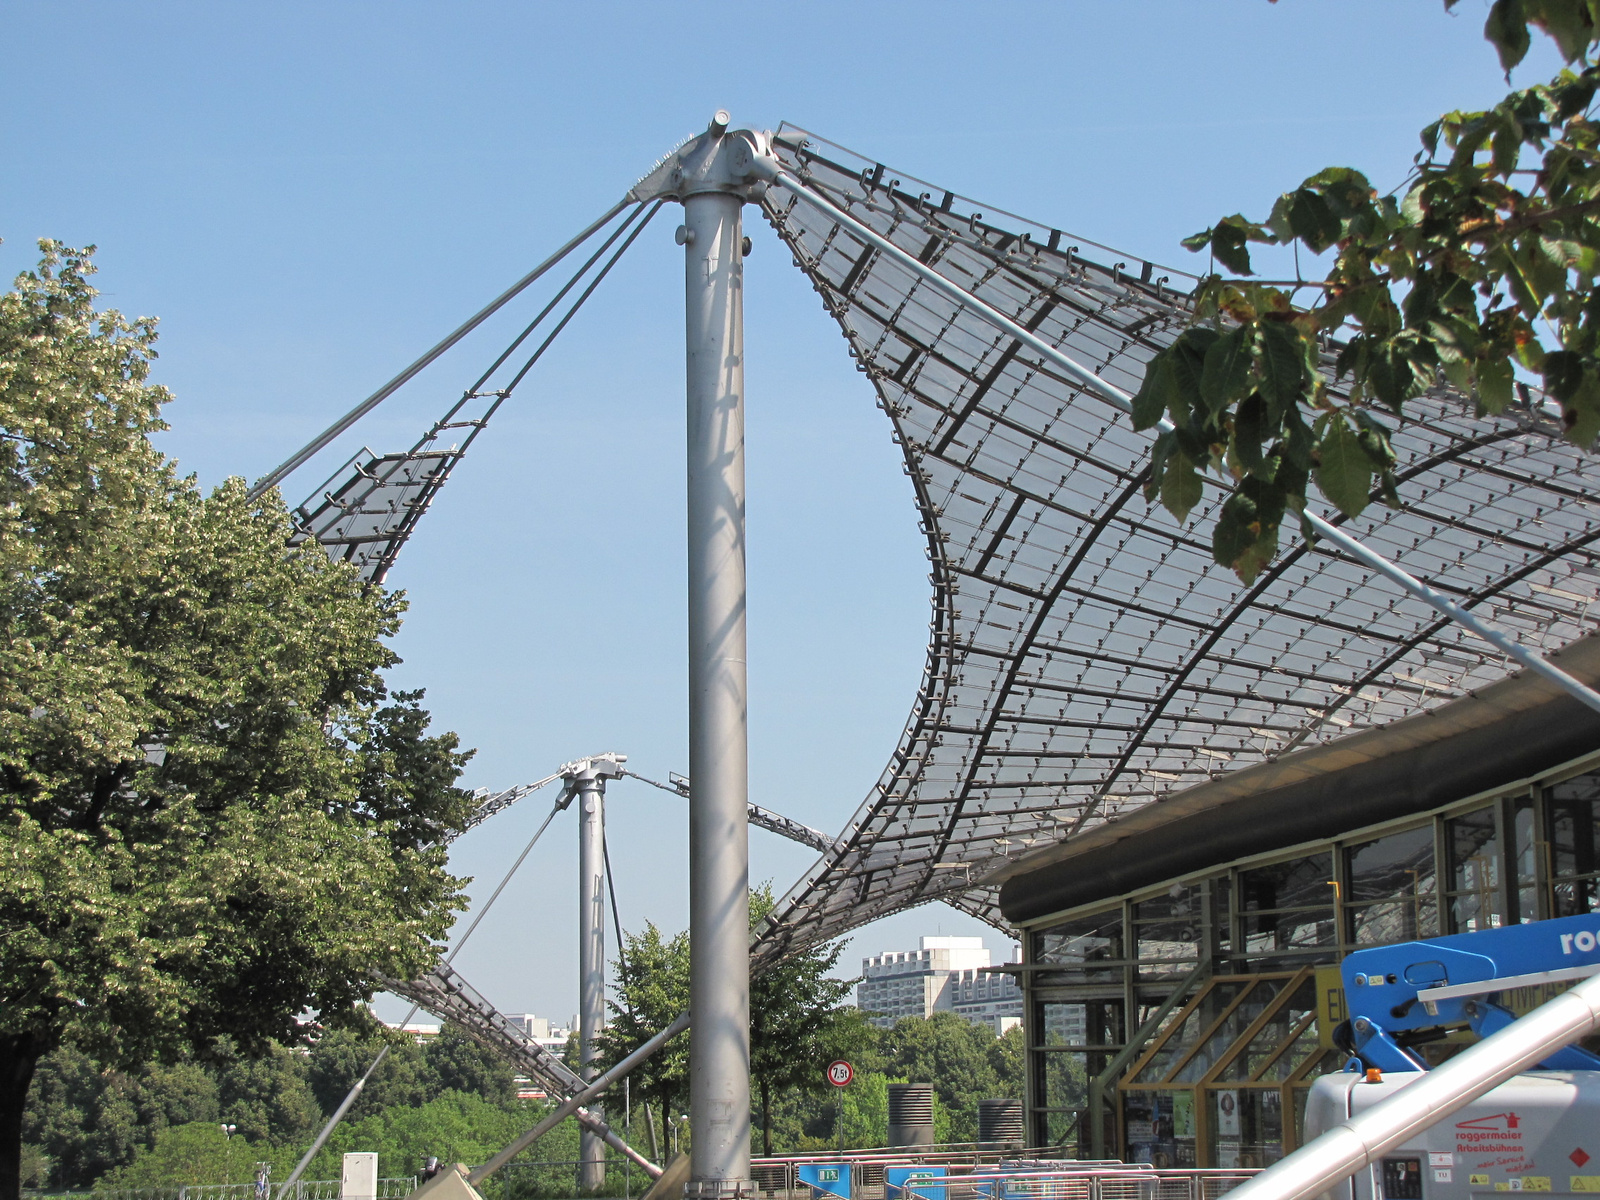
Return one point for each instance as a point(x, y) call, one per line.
point(799, 1021)
point(216, 817)
point(1478, 271)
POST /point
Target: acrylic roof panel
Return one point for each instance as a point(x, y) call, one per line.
point(1085, 655)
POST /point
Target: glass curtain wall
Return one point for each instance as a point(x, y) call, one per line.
point(1184, 1025)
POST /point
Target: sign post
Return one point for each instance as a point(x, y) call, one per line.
point(840, 1073)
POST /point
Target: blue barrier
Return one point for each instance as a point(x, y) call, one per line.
point(903, 1183)
point(826, 1179)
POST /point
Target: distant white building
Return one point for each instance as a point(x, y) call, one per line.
point(551, 1037)
point(422, 1031)
point(944, 974)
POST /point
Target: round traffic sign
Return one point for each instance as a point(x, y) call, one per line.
point(840, 1072)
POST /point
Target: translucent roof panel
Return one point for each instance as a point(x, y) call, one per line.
point(1085, 655)
point(368, 508)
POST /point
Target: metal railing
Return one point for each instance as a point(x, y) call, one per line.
point(304, 1189)
point(976, 1173)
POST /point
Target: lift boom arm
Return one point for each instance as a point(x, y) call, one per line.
point(1395, 991)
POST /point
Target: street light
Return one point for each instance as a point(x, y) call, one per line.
point(227, 1155)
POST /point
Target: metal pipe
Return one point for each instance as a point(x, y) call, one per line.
point(332, 1122)
point(278, 473)
point(591, 958)
point(1353, 1144)
point(719, 836)
point(571, 1105)
point(615, 1140)
point(1122, 400)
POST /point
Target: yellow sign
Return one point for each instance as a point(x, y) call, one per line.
point(1536, 1183)
point(1330, 1004)
point(1478, 1181)
point(1584, 1183)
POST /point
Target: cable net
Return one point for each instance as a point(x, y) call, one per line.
point(1085, 656)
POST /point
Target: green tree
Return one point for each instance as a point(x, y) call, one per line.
point(459, 1064)
point(453, 1127)
point(799, 1022)
point(951, 1053)
point(651, 989)
point(339, 1056)
point(1008, 1059)
point(1479, 270)
point(198, 1153)
point(267, 1096)
point(216, 818)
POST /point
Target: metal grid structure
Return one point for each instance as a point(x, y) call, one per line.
point(367, 509)
point(1085, 656)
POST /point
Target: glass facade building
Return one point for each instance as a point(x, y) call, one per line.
point(1182, 1024)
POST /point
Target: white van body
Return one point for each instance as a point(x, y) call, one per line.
point(1537, 1132)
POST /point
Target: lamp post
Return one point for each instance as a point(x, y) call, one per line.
point(227, 1154)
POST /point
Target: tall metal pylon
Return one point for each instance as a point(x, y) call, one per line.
point(586, 779)
point(713, 177)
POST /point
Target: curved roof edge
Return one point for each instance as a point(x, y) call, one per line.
point(1410, 766)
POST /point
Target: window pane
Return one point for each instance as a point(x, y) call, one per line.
point(1392, 867)
point(1177, 1041)
point(1169, 931)
point(1083, 940)
point(1221, 1039)
point(1474, 851)
point(1574, 817)
point(1090, 1023)
point(1064, 1077)
point(1288, 906)
point(1160, 1127)
point(1246, 1126)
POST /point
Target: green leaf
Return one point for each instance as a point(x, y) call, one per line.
point(1227, 369)
point(1188, 363)
point(1253, 427)
point(1180, 485)
point(1581, 413)
point(1157, 393)
point(1344, 471)
point(1283, 365)
point(1494, 385)
point(1507, 29)
point(1312, 220)
point(1227, 244)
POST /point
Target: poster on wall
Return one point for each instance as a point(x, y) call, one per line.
point(1183, 1114)
point(1228, 1113)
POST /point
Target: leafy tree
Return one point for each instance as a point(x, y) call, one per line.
point(198, 1153)
point(268, 1097)
point(215, 816)
point(459, 1064)
point(338, 1058)
point(1008, 1059)
point(453, 1127)
point(1479, 270)
point(798, 1021)
point(951, 1053)
point(651, 989)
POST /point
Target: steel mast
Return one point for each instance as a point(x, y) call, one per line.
point(714, 177)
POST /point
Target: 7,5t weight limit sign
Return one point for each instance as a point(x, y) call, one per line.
point(840, 1072)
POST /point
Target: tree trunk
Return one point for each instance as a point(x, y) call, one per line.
point(650, 1125)
point(766, 1119)
point(19, 1055)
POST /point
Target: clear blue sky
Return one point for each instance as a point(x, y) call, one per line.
point(310, 194)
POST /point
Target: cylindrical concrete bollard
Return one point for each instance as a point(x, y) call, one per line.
point(1000, 1123)
point(911, 1114)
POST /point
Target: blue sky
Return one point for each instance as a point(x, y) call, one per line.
point(308, 195)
